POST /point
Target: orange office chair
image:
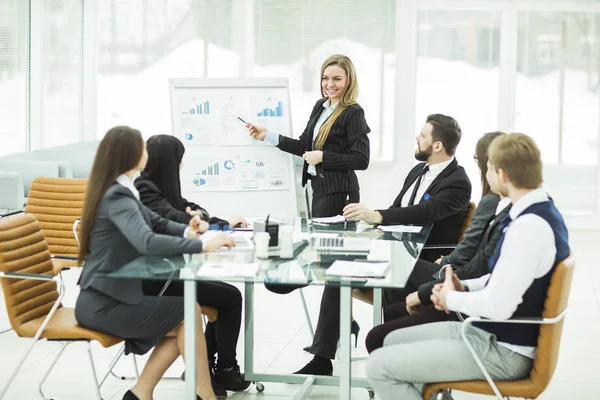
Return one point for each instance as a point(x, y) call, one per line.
point(30, 292)
point(555, 309)
point(57, 203)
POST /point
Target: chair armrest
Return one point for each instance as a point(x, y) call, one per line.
point(469, 321)
point(23, 275)
point(10, 214)
point(527, 320)
point(63, 257)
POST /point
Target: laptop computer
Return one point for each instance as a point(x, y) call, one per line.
point(334, 244)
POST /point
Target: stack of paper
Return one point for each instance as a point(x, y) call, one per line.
point(362, 269)
point(400, 228)
point(330, 220)
point(228, 270)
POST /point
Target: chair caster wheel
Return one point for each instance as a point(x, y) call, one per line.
point(260, 387)
point(371, 393)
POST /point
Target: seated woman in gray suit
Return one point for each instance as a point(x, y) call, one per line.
point(116, 229)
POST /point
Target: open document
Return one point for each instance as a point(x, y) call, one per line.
point(213, 269)
point(361, 269)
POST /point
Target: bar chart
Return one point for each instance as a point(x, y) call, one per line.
point(211, 170)
point(272, 112)
point(199, 109)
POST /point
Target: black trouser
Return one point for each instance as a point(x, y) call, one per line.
point(222, 335)
point(422, 273)
point(323, 205)
point(397, 317)
point(329, 204)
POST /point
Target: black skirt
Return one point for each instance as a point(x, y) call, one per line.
point(142, 325)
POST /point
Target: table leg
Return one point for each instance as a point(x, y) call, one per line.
point(189, 304)
point(345, 321)
point(377, 304)
point(249, 327)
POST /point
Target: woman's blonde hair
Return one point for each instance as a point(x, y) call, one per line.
point(348, 97)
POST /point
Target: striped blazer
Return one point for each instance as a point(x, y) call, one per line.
point(346, 149)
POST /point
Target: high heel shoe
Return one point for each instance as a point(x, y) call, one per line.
point(354, 329)
point(130, 396)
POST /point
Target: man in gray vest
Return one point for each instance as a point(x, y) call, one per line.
point(534, 241)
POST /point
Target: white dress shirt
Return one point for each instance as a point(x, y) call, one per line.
point(527, 253)
point(502, 204)
point(124, 180)
point(273, 138)
point(426, 180)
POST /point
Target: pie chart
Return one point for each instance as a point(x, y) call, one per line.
point(228, 165)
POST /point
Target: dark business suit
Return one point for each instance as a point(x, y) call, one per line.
point(444, 203)
point(124, 230)
point(461, 255)
point(221, 335)
point(345, 150)
point(153, 198)
point(450, 194)
point(396, 316)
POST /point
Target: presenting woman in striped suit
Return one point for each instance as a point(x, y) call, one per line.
point(334, 143)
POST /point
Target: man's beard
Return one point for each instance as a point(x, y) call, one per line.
point(423, 155)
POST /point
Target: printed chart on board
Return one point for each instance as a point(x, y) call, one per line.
point(220, 154)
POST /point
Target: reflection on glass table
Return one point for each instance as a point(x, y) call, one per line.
point(316, 247)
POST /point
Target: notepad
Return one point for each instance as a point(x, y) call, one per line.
point(228, 270)
point(359, 269)
point(400, 228)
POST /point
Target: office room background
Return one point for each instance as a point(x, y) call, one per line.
point(72, 69)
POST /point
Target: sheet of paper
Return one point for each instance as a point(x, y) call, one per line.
point(400, 228)
point(330, 220)
point(228, 270)
point(358, 269)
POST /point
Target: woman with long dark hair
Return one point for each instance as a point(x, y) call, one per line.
point(160, 188)
point(117, 229)
point(160, 191)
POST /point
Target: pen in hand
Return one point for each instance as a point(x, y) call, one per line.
point(347, 202)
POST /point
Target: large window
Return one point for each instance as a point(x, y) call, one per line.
point(294, 38)
point(558, 102)
point(143, 43)
point(14, 23)
point(558, 94)
point(62, 72)
point(457, 75)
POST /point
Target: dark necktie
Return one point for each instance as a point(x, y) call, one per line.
point(496, 255)
point(417, 183)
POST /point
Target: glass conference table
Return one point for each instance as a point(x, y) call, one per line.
point(307, 267)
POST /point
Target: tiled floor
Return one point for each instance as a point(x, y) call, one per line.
point(281, 333)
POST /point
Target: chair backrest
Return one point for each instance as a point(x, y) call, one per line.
point(549, 339)
point(467, 221)
point(11, 195)
point(57, 203)
point(30, 170)
point(24, 249)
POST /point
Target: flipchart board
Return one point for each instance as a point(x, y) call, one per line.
point(224, 169)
